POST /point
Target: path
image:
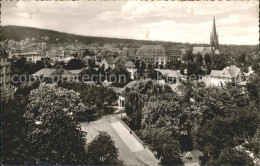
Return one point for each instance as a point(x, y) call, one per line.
point(131, 150)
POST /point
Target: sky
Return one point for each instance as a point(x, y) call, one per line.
point(176, 21)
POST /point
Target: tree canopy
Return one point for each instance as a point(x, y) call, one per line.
point(54, 133)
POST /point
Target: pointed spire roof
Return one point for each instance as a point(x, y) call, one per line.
point(214, 31)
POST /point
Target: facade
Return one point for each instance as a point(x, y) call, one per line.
point(173, 54)
point(30, 56)
point(157, 54)
point(7, 90)
point(230, 74)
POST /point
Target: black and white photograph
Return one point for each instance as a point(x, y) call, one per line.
point(130, 83)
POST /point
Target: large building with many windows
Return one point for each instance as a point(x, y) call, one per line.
point(7, 90)
point(157, 55)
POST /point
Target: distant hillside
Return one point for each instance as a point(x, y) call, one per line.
point(19, 33)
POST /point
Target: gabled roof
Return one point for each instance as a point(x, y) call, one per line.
point(129, 63)
point(75, 72)
point(152, 48)
point(111, 60)
point(202, 50)
point(170, 73)
point(234, 71)
point(228, 72)
point(48, 72)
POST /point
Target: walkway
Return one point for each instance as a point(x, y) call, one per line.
point(131, 150)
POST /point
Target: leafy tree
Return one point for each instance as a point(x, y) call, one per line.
point(194, 70)
point(15, 147)
point(173, 65)
point(199, 59)
point(207, 59)
point(91, 64)
point(253, 88)
point(137, 64)
point(137, 95)
point(59, 64)
point(182, 67)
point(218, 62)
point(230, 157)
point(74, 64)
point(39, 65)
point(54, 132)
point(168, 150)
point(119, 77)
point(188, 56)
point(102, 149)
point(222, 132)
point(22, 67)
point(94, 97)
point(241, 59)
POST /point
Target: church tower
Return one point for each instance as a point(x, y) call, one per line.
point(214, 39)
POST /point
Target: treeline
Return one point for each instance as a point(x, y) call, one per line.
point(19, 33)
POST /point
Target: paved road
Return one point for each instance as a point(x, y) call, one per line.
point(135, 155)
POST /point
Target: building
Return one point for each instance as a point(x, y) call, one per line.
point(171, 76)
point(129, 65)
point(112, 62)
point(30, 56)
point(173, 53)
point(230, 74)
point(201, 50)
point(7, 90)
point(214, 44)
point(157, 55)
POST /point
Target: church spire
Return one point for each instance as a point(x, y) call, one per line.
point(214, 31)
point(214, 38)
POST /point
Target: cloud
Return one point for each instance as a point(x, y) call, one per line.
point(165, 20)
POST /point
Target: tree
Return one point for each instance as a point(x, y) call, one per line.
point(241, 59)
point(207, 59)
point(218, 62)
point(75, 64)
point(253, 88)
point(119, 77)
point(188, 56)
point(230, 157)
point(15, 147)
point(168, 150)
point(22, 67)
point(226, 132)
point(102, 149)
point(54, 132)
point(194, 71)
point(59, 64)
point(39, 65)
point(199, 59)
point(182, 67)
point(173, 65)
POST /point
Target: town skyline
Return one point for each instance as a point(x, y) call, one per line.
point(122, 20)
